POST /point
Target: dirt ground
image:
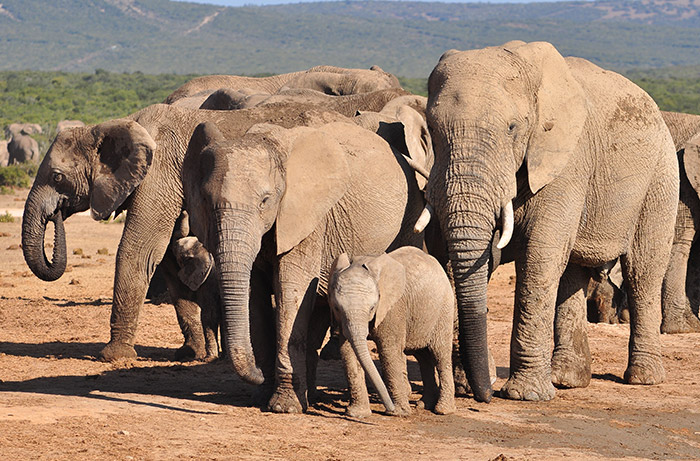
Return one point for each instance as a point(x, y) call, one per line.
point(58, 402)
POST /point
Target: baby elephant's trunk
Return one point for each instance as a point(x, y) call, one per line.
point(358, 340)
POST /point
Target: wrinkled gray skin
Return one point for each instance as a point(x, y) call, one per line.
point(605, 296)
point(4, 153)
point(326, 190)
point(557, 137)
point(22, 147)
point(327, 79)
point(678, 315)
point(404, 302)
point(64, 124)
point(131, 164)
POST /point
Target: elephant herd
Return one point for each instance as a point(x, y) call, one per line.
point(280, 207)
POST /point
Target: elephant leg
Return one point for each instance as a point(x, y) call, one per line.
point(137, 258)
point(395, 374)
point(357, 387)
point(643, 277)
point(262, 332)
point(427, 372)
point(677, 316)
point(210, 307)
point(318, 327)
point(295, 293)
point(571, 361)
point(442, 356)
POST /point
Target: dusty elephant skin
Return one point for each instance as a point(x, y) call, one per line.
point(408, 300)
point(556, 138)
point(326, 190)
point(131, 164)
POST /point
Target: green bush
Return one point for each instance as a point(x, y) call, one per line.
point(7, 217)
point(19, 175)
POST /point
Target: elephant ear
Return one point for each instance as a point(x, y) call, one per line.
point(317, 176)
point(124, 155)
point(418, 141)
point(197, 165)
point(691, 161)
point(391, 280)
point(561, 113)
point(194, 260)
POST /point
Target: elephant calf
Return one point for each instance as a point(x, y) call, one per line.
point(407, 299)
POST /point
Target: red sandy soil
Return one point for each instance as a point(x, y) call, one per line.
point(58, 402)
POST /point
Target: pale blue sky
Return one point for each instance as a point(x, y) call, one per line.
point(277, 2)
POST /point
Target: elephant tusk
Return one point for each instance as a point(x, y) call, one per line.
point(507, 223)
point(423, 219)
point(420, 169)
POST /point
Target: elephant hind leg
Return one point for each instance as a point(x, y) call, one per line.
point(427, 372)
point(571, 360)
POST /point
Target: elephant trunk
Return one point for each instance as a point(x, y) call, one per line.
point(40, 208)
point(357, 335)
point(235, 252)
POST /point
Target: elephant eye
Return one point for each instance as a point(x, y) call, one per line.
point(265, 200)
point(57, 177)
point(512, 127)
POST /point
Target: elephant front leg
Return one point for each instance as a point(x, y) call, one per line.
point(395, 373)
point(295, 293)
point(571, 361)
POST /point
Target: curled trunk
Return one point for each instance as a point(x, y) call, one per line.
point(40, 208)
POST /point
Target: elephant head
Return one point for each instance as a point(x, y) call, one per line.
point(22, 129)
point(235, 191)
point(499, 117)
point(90, 167)
point(361, 293)
point(691, 161)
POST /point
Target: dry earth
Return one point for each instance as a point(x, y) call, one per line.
point(58, 402)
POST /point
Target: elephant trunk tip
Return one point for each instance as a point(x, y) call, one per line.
point(246, 369)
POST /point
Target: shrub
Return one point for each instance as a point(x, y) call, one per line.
point(18, 175)
point(7, 217)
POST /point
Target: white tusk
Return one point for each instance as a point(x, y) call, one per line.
point(420, 169)
point(507, 223)
point(423, 219)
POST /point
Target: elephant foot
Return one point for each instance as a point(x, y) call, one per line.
point(570, 370)
point(189, 351)
point(686, 323)
point(402, 410)
point(114, 351)
point(285, 398)
point(532, 388)
point(648, 373)
point(445, 406)
point(462, 387)
point(358, 410)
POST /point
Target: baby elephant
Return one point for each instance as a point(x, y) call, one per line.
point(404, 302)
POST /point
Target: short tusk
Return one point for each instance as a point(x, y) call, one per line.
point(423, 219)
point(420, 169)
point(507, 223)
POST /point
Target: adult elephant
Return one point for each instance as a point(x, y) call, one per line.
point(584, 158)
point(284, 203)
point(328, 79)
point(131, 164)
point(22, 147)
point(4, 153)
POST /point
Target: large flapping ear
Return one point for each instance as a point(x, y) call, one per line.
point(391, 279)
point(691, 161)
point(194, 260)
point(561, 112)
point(418, 140)
point(317, 176)
point(124, 155)
point(196, 168)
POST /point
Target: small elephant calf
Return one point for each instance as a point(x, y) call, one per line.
point(404, 301)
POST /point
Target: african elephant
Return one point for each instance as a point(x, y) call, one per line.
point(579, 167)
point(328, 79)
point(285, 203)
point(4, 153)
point(131, 164)
point(408, 300)
point(21, 146)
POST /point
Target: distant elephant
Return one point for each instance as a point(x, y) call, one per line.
point(4, 153)
point(63, 124)
point(328, 79)
point(22, 147)
point(131, 164)
point(407, 299)
point(579, 168)
point(285, 203)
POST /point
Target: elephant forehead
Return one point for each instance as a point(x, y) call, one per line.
point(248, 169)
point(356, 282)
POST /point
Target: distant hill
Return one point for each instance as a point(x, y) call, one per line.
point(406, 38)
